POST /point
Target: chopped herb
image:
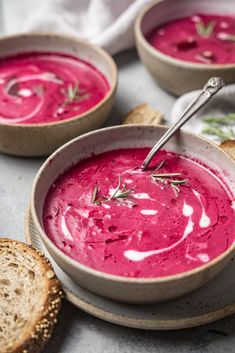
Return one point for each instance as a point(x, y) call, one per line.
point(73, 94)
point(179, 182)
point(165, 175)
point(165, 178)
point(176, 189)
point(94, 195)
point(119, 193)
point(223, 134)
point(160, 165)
point(174, 184)
point(220, 127)
point(229, 118)
point(205, 30)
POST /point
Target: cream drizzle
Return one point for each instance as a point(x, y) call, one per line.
point(204, 220)
point(143, 196)
point(135, 255)
point(63, 225)
point(203, 257)
point(67, 234)
point(149, 212)
point(46, 76)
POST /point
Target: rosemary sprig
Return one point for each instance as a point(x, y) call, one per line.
point(119, 193)
point(175, 188)
point(94, 195)
point(73, 94)
point(159, 166)
point(175, 185)
point(179, 182)
point(205, 30)
point(166, 178)
point(227, 119)
point(165, 175)
point(223, 134)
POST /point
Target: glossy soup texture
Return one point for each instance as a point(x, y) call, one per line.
point(47, 88)
point(108, 214)
point(200, 38)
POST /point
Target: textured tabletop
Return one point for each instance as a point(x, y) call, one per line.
point(78, 332)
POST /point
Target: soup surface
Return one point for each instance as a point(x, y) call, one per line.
point(201, 38)
point(108, 214)
point(47, 88)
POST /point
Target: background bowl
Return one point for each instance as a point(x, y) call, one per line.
point(42, 139)
point(116, 287)
point(174, 75)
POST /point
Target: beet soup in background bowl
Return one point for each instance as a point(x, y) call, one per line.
point(178, 42)
point(53, 88)
point(131, 235)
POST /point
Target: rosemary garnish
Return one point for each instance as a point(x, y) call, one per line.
point(205, 30)
point(166, 178)
point(165, 175)
point(223, 134)
point(159, 165)
point(94, 195)
point(227, 119)
point(120, 193)
point(215, 126)
point(73, 94)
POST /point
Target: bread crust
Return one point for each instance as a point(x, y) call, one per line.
point(42, 326)
point(229, 147)
point(143, 114)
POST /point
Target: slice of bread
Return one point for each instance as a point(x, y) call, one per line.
point(143, 114)
point(229, 147)
point(30, 298)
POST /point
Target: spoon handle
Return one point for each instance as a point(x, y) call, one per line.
point(213, 85)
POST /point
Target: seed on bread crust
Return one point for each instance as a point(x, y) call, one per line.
point(42, 320)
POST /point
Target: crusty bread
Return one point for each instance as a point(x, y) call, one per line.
point(30, 298)
point(229, 147)
point(143, 114)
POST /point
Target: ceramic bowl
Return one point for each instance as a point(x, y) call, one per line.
point(178, 76)
point(111, 286)
point(42, 139)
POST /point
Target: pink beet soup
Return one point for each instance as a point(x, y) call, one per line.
point(47, 88)
point(200, 38)
point(108, 214)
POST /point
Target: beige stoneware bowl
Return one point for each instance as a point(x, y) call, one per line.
point(178, 76)
point(43, 139)
point(119, 288)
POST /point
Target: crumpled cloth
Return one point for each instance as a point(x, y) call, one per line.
point(221, 104)
point(107, 23)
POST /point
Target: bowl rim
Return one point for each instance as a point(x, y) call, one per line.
point(167, 58)
point(103, 53)
point(107, 276)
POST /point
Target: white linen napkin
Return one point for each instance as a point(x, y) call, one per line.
point(221, 104)
point(107, 23)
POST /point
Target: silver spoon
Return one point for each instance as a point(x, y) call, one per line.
point(213, 85)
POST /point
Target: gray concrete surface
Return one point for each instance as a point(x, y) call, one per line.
point(78, 332)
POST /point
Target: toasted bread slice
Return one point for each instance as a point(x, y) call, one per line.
point(143, 114)
point(30, 298)
point(229, 147)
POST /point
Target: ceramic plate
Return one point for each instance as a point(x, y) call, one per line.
point(212, 302)
point(222, 104)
